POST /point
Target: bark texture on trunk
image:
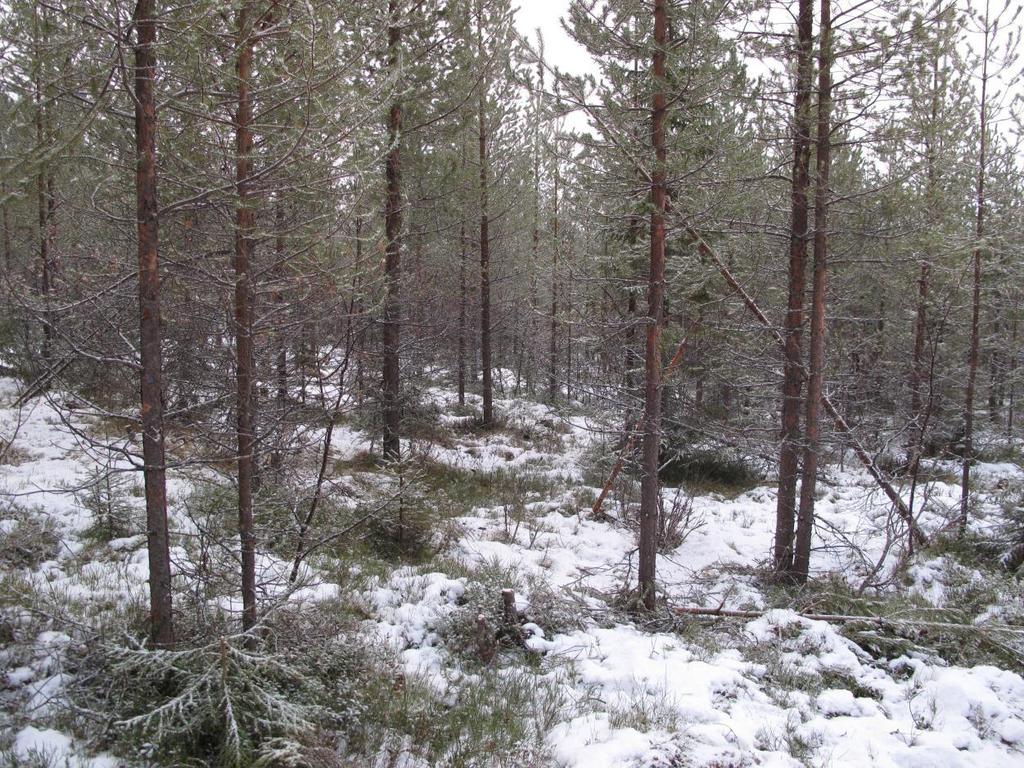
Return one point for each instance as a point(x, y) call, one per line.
point(281, 361)
point(392, 328)
point(649, 485)
point(244, 225)
point(161, 621)
point(463, 246)
point(816, 372)
point(6, 226)
point(485, 245)
point(789, 450)
point(975, 348)
point(553, 315)
point(44, 184)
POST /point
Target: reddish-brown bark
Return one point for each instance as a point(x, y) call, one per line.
point(161, 620)
point(485, 244)
point(244, 225)
point(649, 485)
point(816, 367)
point(392, 328)
point(793, 374)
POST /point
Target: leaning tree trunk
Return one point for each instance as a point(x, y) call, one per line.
point(161, 629)
point(649, 486)
point(244, 226)
point(816, 373)
point(789, 450)
point(392, 329)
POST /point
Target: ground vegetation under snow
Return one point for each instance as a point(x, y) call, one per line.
point(393, 646)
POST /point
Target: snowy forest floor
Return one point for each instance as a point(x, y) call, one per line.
point(395, 634)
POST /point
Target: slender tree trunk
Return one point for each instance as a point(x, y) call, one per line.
point(161, 618)
point(463, 297)
point(556, 247)
point(649, 486)
point(244, 226)
point(463, 248)
point(918, 369)
point(485, 246)
point(630, 355)
point(567, 302)
point(1013, 369)
point(391, 394)
point(915, 441)
point(789, 450)
point(532, 367)
point(995, 378)
point(44, 198)
point(281, 362)
point(973, 354)
point(816, 374)
point(7, 228)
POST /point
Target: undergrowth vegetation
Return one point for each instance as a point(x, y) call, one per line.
point(447, 557)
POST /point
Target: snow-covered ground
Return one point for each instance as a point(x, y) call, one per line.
point(777, 690)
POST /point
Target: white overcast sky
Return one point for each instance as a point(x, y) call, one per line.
point(559, 49)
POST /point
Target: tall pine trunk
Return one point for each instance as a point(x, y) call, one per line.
point(44, 186)
point(161, 620)
point(816, 373)
point(6, 226)
point(532, 367)
point(485, 241)
point(244, 225)
point(649, 486)
point(918, 414)
point(789, 450)
point(974, 351)
point(553, 315)
point(281, 362)
point(463, 248)
point(1013, 369)
point(391, 395)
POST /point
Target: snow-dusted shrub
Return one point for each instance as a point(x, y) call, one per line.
point(709, 469)
point(28, 537)
point(792, 738)
point(676, 521)
point(554, 611)
point(106, 496)
point(35, 757)
point(286, 702)
point(405, 527)
point(1010, 532)
point(538, 604)
point(480, 622)
point(497, 717)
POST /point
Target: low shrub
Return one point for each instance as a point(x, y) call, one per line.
point(28, 537)
point(707, 469)
point(287, 702)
